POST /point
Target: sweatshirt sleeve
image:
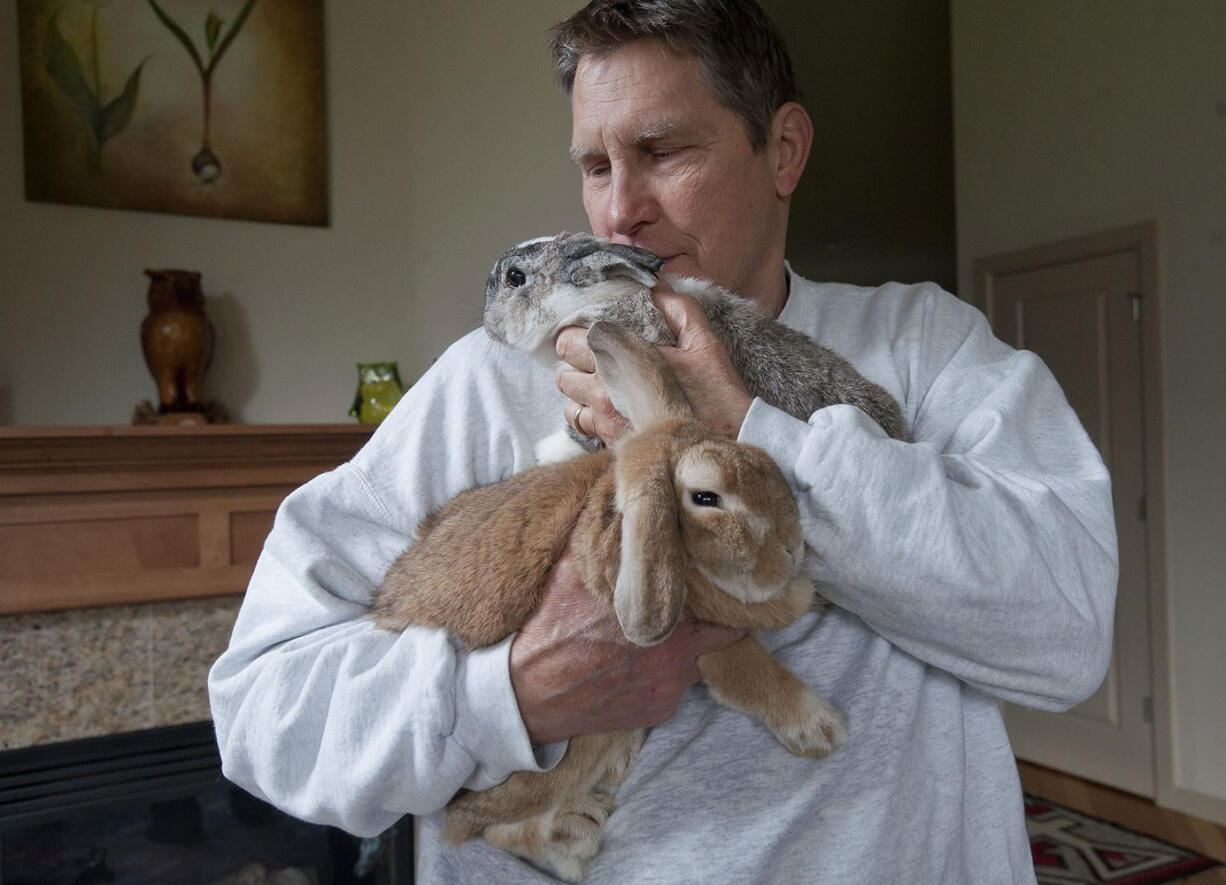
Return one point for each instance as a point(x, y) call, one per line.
point(322, 713)
point(987, 547)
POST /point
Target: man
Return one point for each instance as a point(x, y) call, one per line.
point(974, 564)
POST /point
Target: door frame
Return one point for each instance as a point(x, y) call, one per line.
point(1143, 240)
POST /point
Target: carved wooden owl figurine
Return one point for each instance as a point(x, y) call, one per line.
point(177, 338)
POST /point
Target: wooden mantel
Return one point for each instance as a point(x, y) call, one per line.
point(105, 515)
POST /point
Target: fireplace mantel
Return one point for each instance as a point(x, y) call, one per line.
point(106, 515)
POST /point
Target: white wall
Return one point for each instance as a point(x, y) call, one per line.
point(447, 140)
point(447, 144)
point(1071, 118)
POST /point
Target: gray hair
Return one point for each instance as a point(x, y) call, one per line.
point(742, 56)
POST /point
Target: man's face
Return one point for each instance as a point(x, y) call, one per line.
point(666, 167)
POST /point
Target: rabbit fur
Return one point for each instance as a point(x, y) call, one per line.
point(543, 285)
point(672, 520)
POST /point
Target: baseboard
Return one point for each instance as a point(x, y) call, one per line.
point(1197, 804)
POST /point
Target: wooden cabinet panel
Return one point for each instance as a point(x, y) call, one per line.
point(100, 516)
point(247, 533)
point(51, 549)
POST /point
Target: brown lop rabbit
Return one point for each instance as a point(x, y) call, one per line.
point(673, 520)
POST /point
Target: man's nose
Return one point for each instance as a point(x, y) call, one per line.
point(632, 203)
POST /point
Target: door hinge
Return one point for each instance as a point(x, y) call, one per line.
point(1142, 509)
point(1147, 709)
point(1135, 298)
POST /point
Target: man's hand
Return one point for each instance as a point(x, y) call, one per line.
point(715, 390)
point(572, 669)
point(575, 673)
point(579, 381)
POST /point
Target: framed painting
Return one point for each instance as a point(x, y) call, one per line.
point(195, 107)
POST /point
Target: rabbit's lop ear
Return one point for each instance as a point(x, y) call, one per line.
point(590, 260)
point(639, 381)
point(650, 589)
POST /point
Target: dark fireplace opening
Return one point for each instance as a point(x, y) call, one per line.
point(152, 807)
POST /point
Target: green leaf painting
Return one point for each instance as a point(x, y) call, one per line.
point(180, 35)
point(214, 108)
point(212, 28)
point(205, 163)
point(64, 66)
point(230, 34)
point(118, 112)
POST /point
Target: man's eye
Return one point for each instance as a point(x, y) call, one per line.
point(705, 499)
point(663, 154)
point(515, 278)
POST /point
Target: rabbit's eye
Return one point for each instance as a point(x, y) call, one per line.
point(516, 278)
point(705, 499)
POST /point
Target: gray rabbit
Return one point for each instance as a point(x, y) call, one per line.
point(541, 286)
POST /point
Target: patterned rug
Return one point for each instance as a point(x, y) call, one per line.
point(1071, 848)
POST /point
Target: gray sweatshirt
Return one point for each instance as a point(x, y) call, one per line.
point(977, 563)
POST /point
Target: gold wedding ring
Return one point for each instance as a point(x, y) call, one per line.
point(574, 420)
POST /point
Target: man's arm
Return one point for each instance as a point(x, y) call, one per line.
point(986, 548)
point(318, 710)
point(337, 721)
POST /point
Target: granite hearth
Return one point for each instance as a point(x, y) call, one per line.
point(97, 671)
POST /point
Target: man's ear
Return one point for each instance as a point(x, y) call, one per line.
point(792, 136)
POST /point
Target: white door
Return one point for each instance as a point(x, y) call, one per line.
point(1082, 316)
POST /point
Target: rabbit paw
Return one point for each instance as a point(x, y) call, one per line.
point(594, 807)
point(577, 834)
point(814, 728)
point(563, 841)
point(619, 768)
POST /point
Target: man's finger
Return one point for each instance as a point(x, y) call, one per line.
point(683, 314)
point(583, 388)
point(571, 347)
point(600, 417)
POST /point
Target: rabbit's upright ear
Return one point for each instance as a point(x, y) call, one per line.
point(639, 381)
point(590, 260)
point(650, 589)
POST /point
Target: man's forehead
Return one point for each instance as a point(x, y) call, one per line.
point(646, 57)
point(643, 76)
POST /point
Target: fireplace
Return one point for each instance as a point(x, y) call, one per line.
point(152, 807)
point(122, 551)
